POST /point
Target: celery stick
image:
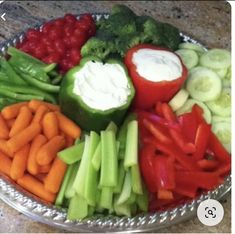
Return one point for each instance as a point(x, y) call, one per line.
point(131, 199)
point(109, 161)
point(91, 210)
point(70, 191)
point(136, 179)
point(91, 180)
point(131, 152)
point(61, 195)
point(78, 208)
point(72, 154)
point(142, 200)
point(121, 136)
point(121, 175)
point(96, 160)
point(79, 183)
point(106, 198)
point(126, 189)
point(122, 209)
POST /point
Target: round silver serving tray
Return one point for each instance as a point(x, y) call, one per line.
point(39, 211)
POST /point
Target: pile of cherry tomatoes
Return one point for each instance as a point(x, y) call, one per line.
point(60, 41)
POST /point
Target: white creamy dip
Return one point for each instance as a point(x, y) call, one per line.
point(157, 65)
point(102, 86)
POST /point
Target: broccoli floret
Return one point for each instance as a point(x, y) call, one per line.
point(122, 9)
point(98, 47)
point(171, 36)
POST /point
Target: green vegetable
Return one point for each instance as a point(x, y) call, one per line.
point(106, 198)
point(70, 191)
point(72, 154)
point(89, 118)
point(136, 180)
point(121, 175)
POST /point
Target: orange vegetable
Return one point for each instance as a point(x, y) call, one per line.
point(19, 162)
point(22, 121)
point(34, 105)
point(36, 187)
point(5, 165)
point(10, 112)
point(4, 130)
point(41, 177)
point(10, 123)
point(23, 137)
point(55, 177)
point(50, 125)
point(39, 114)
point(49, 150)
point(32, 165)
point(44, 169)
point(165, 194)
point(68, 126)
point(69, 141)
point(4, 148)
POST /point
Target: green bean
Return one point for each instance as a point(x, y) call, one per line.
point(57, 80)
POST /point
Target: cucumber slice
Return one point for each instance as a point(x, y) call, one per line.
point(192, 46)
point(226, 81)
point(187, 107)
point(204, 85)
point(222, 105)
point(223, 131)
point(216, 119)
point(189, 57)
point(179, 99)
point(216, 59)
point(221, 72)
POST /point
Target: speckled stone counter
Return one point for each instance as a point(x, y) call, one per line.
point(207, 21)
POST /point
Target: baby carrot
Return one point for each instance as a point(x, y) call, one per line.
point(5, 165)
point(10, 112)
point(24, 137)
point(50, 125)
point(4, 130)
point(40, 112)
point(34, 105)
point(44, 169)
point(49, 150)
point(69, 141)
point(41, 177)
point(32, 165)
point(22, 121)
point(55, 177)
point(19, 162)
point(68, 126)
point(10, 123)
point(4, 148)
point(36, 187)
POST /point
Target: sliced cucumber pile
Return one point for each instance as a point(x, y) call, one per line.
point(209, 85)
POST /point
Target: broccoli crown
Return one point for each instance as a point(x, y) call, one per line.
point(98, 47)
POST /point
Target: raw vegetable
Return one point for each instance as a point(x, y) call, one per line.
point(191, 46)
point(149, 92)
point(179, 99)
point(124, 29)
point(189, 57)
point(90, 118)
point(22, 142)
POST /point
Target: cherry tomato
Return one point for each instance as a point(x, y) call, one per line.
point(92, 30)
point(68, 31)
point(46, 28)
point(32, 45)
point(87, 18)
point(52, 58)
point(67, 42)
point(33, 34)
point(26, 48)
point(74, 55)
point(60, 46)
point(55, 33)
point(82, 25)
point(69, 18)
point(46, 41)
point(50, 49)
point(59, 22)
point(40, 51)
point(80, 33)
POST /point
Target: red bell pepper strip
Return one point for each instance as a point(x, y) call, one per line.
point(148, 93)
point(158, 109)
point(224, 169)
point(208, 165)
point(146, 157)
point(157, 131)
point(186, 147)
point(175, 152)
point(198, 111)
point(165, 172)
point(167, 113)
point(218, 149)
point(201, 140)
point(165, 194)
point(189, 125)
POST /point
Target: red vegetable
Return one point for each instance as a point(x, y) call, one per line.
point(149, 92)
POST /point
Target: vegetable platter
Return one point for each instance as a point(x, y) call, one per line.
point(86, 152)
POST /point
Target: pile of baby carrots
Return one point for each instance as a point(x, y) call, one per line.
point(31, 135)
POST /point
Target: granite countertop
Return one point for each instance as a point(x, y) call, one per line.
point(207, 21)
